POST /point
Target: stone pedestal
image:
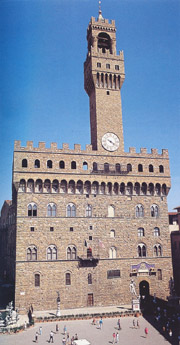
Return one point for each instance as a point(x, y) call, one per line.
point(136, 304)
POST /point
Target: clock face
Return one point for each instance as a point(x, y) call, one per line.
point(110, 141)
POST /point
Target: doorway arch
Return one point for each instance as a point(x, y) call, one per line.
point(144, 288)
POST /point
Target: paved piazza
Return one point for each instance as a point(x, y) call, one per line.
point(84, 329)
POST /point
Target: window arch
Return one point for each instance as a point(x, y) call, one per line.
point(32, 210)
point(95, 166)
point(73, 165)
point(47, 186)
point(141, 250)
point(118, 167)
point(154, 211)
point(116, 188)
point(55, 186)
point(139, 211)
point(102, 188)
point(88, 211)
point(137, 188)
point(129, 167)
point(71, 188)
point(37, 280)
point(63, 186)
point(106, 167)
point(22, 185)
point(151, 189)
point(68, 278)
point(52, 252)
point(71, 253)
point(30, 186)
point(140, 232)
point(71, 210)
point(112, 253)
point(62, 165)
point(95, 187)
point(144, 188)
point(151, 168)
point(111, 211)
point(161, 169)
point(140, 168)
point(158, 189)
point(24, 163)
point(79, 187)
point(85, 166)
point(89, 278)
point(109, 188)
point(122, 188)
point(156, 232)
point(51, 210)
point(112, 233)
point(157, 250)
point(49, 164)
point(32, 253)
point(38, 186)
point(104, 42)
point(37, 163)
point(129, 188)
point(164, 189)
point(87, 187)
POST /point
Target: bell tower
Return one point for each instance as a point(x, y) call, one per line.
point(103, 77)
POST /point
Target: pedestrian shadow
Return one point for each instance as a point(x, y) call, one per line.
point(142, 336)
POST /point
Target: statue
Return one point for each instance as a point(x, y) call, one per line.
point(132, 287)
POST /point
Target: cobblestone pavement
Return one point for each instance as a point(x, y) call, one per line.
point(84, 328)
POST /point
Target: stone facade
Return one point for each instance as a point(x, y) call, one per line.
point(89, 220)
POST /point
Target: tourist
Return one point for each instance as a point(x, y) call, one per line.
point(40, 330)
point(36, 337)
point(25, 325)
point(146, 331)
point(134, 324)
point(114, 337)
point(57, 328)
point(64, 341)
point(100, 323)
point(51, 338)
point(119, 324)
point(117, 337)
point(138, 325)
point(65, 329)
point(76, 337)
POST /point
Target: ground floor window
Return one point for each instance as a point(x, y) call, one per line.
point(113, 274)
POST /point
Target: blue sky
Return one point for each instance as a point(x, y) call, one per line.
point(42, 98)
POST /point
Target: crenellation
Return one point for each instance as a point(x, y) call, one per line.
point(29, 145)
point(17, 144)
point(77, 148)
point(42, 145)
point(53, 146)
point(143, 150)
point(154, 152)
point(65, 146)
point(132, 150)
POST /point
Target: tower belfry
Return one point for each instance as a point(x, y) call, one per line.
point(103, 78)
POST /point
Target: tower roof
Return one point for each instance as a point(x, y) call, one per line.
point(100, 17)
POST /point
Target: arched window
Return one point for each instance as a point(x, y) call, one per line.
point(161, 169)
point(129, 188)
point(89, 278)
point(68, 279)
point(38, 186)
point(157, 250)
point(87, 187)
point(61, 165)
point(144, 188)
point(140, 168)
point(55, 186)
point(52, 253)
point(151, 168)
point(109, 188)
point(122, 188)
point(154, 211)
point(112, 253)
point(32, 253)
point(111, 211)
point(106, 167)
point(139, 211)
point(137, 188)
point(49, 164)
point(71, 188)
point(37, 280)
point(63, 186)
point(71, 210)
point(71, 253)
point(104, 42)
point(102, 188)
point(141, 250)
point(95, 167)
point(88, 211)
point(164, 189)
point(116, 188)
point(22, 185)
point(112, 233)
point(73, 165)
point(30, 186)
point(151, 189)
point(140, 232)
point(129, 167)
point(51, 210)
point(47, 186)
point(156, 232)
point(158, 189)
point(37, 163)
point(85, 166)
point(79, 187)
point(32, 210)
point(24, 163)
point(95, 187)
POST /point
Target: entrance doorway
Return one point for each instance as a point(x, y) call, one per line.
point(90, 300)
point(144, 289)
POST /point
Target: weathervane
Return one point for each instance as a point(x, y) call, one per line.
point(100, 12)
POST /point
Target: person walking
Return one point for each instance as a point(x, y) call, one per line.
point(51, 338)
point(119, 324)
point(114, 337)
point(138, 325)
point(57, 328)
point(134, 324)
point(65, 329)
point(100, 323)
point(40, 330)
point(117, 337)
point(36, 337)
point(64, 341)
point(146, 331)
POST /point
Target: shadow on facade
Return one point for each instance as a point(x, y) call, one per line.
point(6, 294)
point(162, 317)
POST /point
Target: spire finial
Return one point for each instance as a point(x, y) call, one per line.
point(100, 17)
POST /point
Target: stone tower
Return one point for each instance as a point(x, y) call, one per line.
point(103, 78)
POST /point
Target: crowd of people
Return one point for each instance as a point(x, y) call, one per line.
point(66, 337)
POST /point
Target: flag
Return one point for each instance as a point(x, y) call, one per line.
point(101, 244)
